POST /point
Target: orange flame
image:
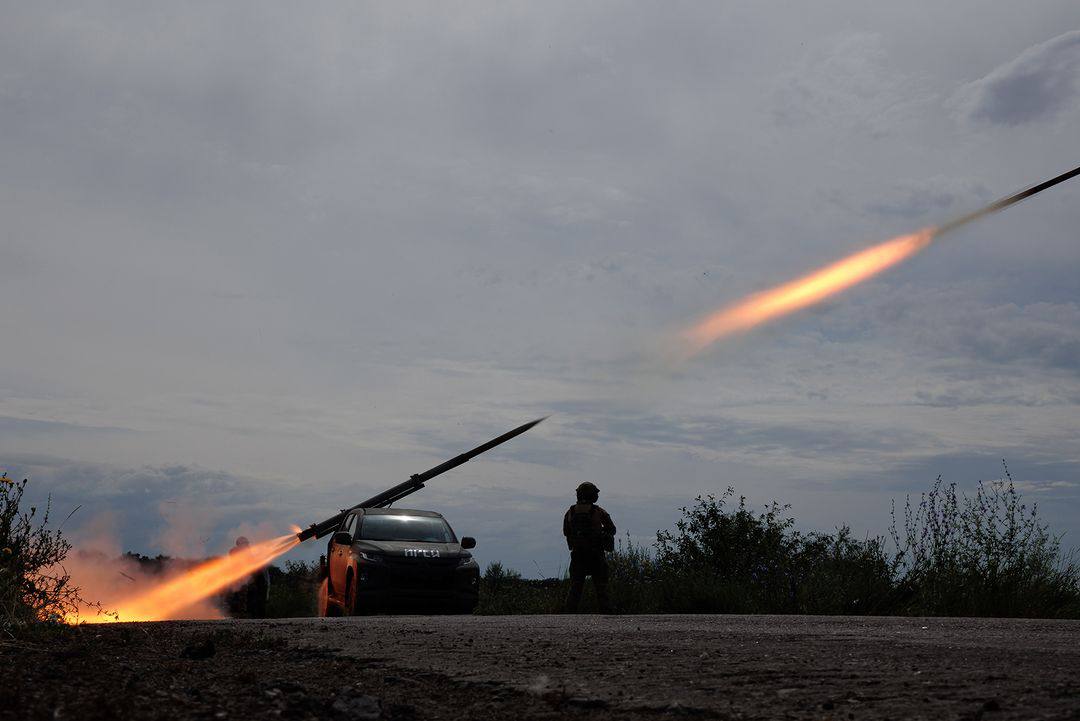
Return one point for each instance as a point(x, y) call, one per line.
point(803, 292)
point(169, 599)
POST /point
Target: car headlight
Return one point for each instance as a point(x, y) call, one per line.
point(465, 561)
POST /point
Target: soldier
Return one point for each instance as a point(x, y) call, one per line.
point(249, 598)
point(589, 533)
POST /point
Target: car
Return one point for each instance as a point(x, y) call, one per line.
point(382, 560)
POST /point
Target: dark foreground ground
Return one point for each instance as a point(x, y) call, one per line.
point(587, 667)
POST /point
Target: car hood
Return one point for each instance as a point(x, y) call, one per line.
point(412, 549)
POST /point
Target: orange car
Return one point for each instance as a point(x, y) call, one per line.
point(394, 559)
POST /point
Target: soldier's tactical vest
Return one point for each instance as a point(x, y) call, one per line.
point(587, 529)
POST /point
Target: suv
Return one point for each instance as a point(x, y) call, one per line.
point(386, 559)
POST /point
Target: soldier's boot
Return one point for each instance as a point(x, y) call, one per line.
point(573, 599)
point(602, 599)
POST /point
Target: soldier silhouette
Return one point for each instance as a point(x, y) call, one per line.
point(590, 533)
point(248, 598)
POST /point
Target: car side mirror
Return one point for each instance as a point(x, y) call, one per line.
point(468, 542)
point(343, 538)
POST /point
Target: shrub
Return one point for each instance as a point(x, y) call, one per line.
point(984, 555)
point(733, 560)
point(293, 590)
point(34, 587)
point(836, 573)
point(504, 591)
point(635, 584)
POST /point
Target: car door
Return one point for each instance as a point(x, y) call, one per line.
point(340, 553)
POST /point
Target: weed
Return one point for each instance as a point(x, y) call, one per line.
point(34, 586)
point(982, 555)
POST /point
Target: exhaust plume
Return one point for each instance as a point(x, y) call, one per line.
point(806, 291)
point(826, 282)
point(177, 596)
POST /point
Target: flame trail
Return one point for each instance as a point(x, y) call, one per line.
point(808, 290)
point(832, 279)
point(169, 598)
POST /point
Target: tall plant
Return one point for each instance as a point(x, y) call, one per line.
point(34, 586)
point(985, 554)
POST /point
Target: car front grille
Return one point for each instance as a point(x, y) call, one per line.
point(421, 573)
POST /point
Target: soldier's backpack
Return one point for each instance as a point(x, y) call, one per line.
point(587, 529)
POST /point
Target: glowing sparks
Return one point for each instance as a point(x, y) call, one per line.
point(170, 598)
point(803, 292)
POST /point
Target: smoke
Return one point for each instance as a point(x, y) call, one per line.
point(106, 581)
point(254, 532)
point(106, 577)
point(186, 582)
point(187, 528)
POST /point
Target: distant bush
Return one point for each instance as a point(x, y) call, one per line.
point(34, 587)
point(293, 590)
point(503, 591)
point(730, 559)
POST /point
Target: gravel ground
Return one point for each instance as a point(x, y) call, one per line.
point(603, 667)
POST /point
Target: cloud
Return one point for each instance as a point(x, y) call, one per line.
point(965, 323)
point(917, 199)
point(1044, 487)
point(24, 427)
point(715, 432)
point(1046, 334)
point(848, 82)
point(178, 510)
point(1039, 84)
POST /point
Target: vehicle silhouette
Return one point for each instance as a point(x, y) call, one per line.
point(391, 559)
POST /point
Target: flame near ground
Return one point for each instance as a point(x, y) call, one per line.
point(186, 594)
point(813, 288)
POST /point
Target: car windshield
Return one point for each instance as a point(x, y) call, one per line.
point(427, 529)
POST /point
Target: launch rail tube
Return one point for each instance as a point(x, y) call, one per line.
point(1005, 202)
point(414, 484)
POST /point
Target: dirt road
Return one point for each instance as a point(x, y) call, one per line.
point(587, 667)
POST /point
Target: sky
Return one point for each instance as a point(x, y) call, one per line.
point(259, 261)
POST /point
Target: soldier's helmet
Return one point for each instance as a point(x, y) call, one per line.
point(587, 492)
point(242, 542)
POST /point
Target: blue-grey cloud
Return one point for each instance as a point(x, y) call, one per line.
point(23, 427)
point(146, 503)
point(1038, 84)
point(717, 432)
point(929, 199)
point(1049, 482)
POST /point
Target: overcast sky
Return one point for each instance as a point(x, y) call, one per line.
point(258, 262)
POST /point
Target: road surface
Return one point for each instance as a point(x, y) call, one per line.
point(602, 667)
